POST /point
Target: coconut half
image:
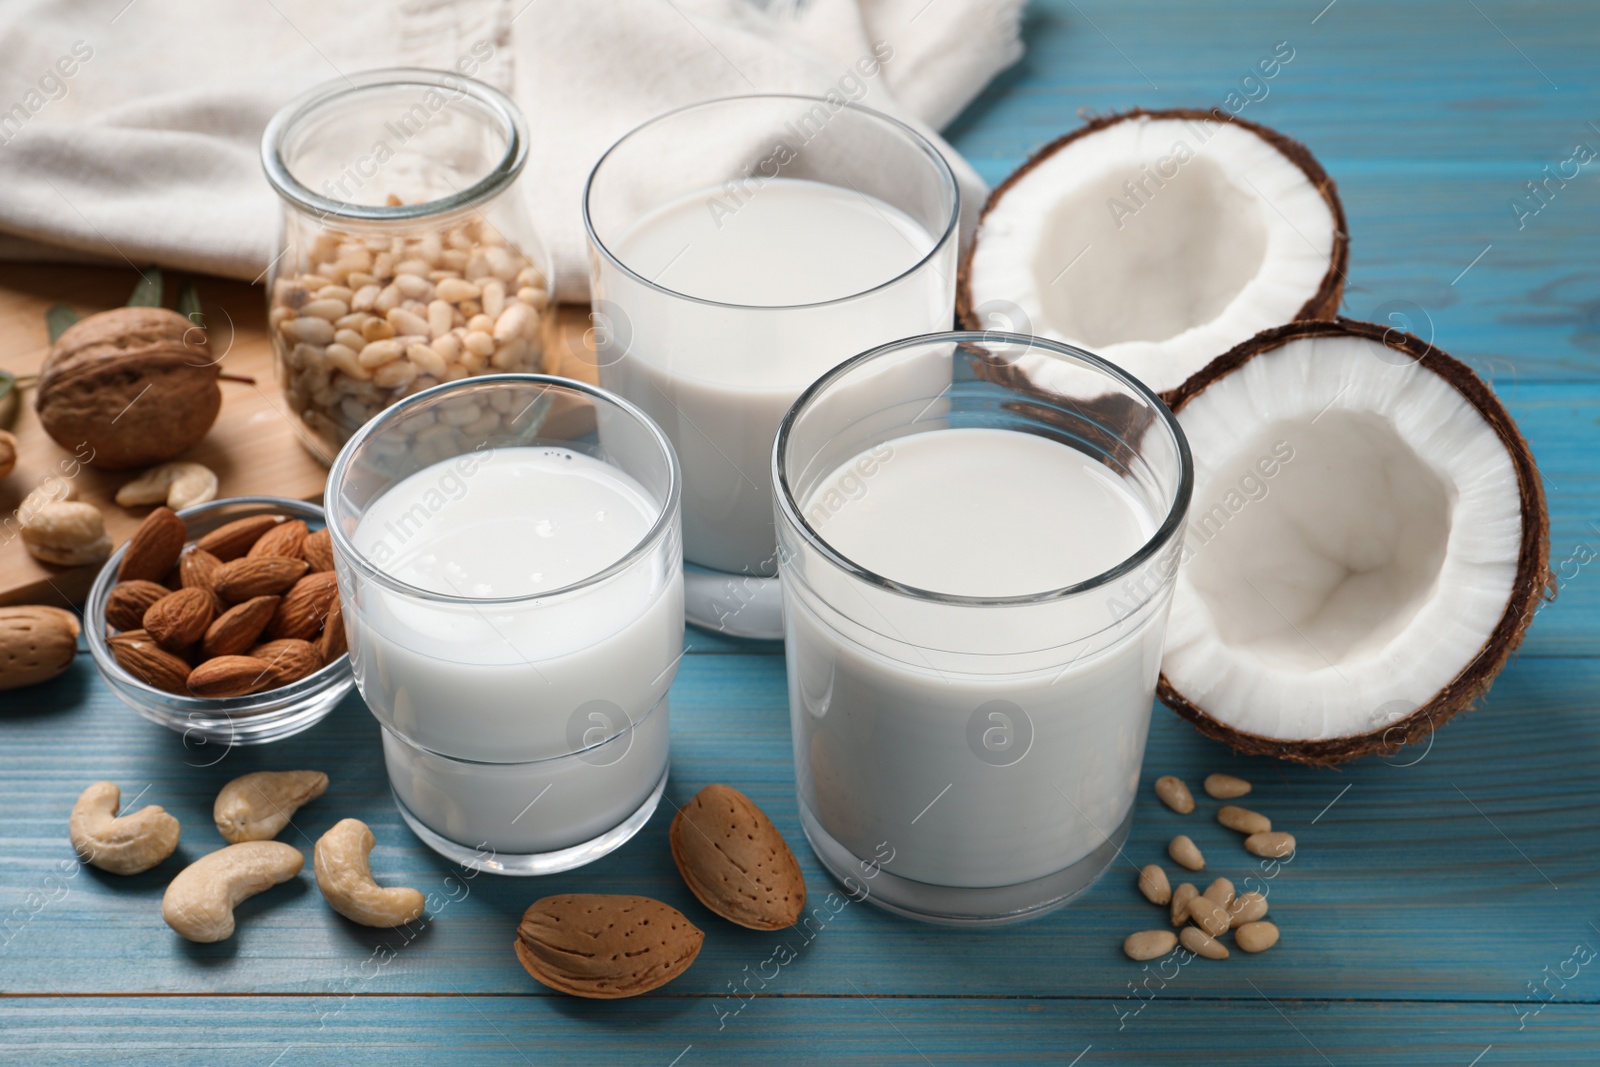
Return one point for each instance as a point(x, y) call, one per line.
point(1366, 545)
point(1157, 239)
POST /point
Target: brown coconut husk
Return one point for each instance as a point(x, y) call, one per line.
point(1323, 304)
point(1535, 582)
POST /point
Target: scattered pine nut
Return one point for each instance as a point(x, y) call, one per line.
point(1180, 902)
point(1150, 944)
point(1271, 844)
point(1220, 891)
point(1154, 885)
point(1174, 794)
point(1244, 820)
point(1246, 908)
point(1256, 937)
point(1200, 943)
point(1186, 853)
point(1209, 916)
point(1226, 786)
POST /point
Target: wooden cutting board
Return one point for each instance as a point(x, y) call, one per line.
point(252, 447)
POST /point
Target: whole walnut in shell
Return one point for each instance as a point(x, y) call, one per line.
point(137, 385)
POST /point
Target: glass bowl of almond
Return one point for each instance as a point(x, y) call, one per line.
point(223, 621)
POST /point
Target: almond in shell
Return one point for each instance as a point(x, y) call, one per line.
point(154, 548)
point(128, 601)
point(735, 861)
point(236, 629)
point(603, 946)
point(240, 579)
point(305, 606)
point(230, 676)
point(179, 619)
point(283, 539)
point(289, 659)
point(232, 540)
point(36, 644)
point(137, 653)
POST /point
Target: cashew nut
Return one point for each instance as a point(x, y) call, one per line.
point(344, 874)
point(178, 485)
point(200, 901)
point(128, 845)
point(256, 806)
point(52, 490)
point(66, 533)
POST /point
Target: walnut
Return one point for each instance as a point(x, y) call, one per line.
point(136, 385)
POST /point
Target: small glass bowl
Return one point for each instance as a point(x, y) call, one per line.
point(247, 720)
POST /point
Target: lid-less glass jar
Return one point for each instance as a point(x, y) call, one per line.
point(405, 259)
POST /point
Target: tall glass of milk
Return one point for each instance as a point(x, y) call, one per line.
point(978, 535)
point(509, 560)
point(741, 248)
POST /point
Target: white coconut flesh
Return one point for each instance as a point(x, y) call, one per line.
point(1351, 545)
point(1155, 243)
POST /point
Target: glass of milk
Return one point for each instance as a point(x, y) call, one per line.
point(740, 248)
point(978, 535)
point(509, 560)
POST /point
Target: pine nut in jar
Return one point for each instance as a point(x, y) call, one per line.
point(405, 258)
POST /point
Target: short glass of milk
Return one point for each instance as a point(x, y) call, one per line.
point(509, 560)
point(740, 248)
point(979, 535)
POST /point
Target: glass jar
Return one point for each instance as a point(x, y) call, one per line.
point(405, 259)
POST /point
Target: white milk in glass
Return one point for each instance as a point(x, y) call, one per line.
point(516, 685)
point(718, 379)
point(891, 743)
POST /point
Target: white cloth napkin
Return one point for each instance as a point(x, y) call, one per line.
point(130, 129)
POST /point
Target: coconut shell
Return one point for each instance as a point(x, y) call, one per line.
point(129, 387)
point(1323, 304)
point(1535, 582)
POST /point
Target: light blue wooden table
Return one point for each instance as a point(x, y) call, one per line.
point(1439, 906)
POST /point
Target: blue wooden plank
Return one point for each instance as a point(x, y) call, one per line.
point(672, 1032)
point(1433, 874)
point(1422, 80)
point(697, 641)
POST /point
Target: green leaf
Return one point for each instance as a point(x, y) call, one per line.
point(8, 399)
point(57, 319)
point(147, 292)
point(189, 304)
